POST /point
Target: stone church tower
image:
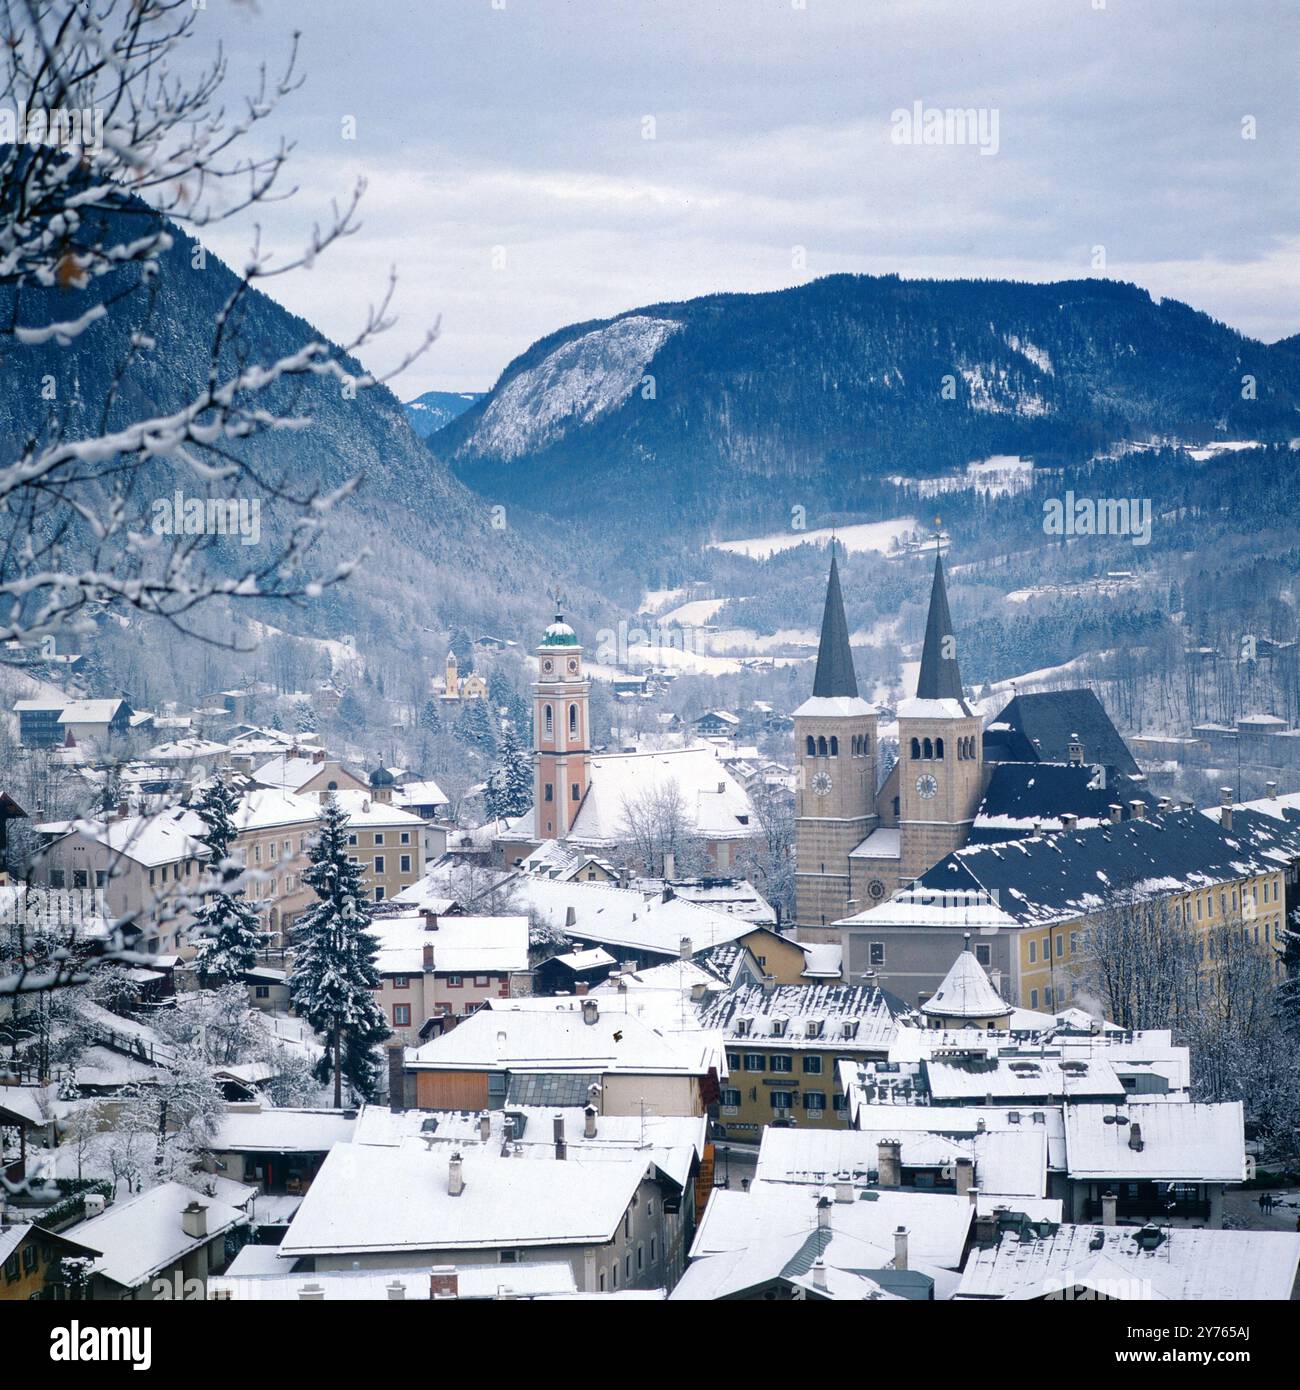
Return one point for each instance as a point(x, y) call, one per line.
point(835, 748)
point(940, 749)
point(561, 731)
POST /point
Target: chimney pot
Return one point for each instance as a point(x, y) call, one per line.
point(396, 1290)
point(561, 1148)
point(311, 1293)
point(819, 1274)
point(396, 1078)
point(455, 1176)
point(965, 1175)
point(823, 1212)
point(1138, 809)
point(484, 1126)
point(1135, 1140)
point(1270, 789)
point(1116, 813)
point(1069, 822)
point(684, 948)
point(900, 1248)
point(589, 1122)
point(1109, 1204)
point(444, 1282)
point(194, 1220)
point(889, 1162)
point(428, 958)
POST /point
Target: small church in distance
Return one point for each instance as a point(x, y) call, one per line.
point(858, 840)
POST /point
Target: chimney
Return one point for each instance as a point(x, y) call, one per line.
point(965, 1175)
point(722, 788)
point(986, 1230)
point(444, 1282)
point(889, 1162)
point(1076, 750)
point(455, 1176)
point(769, 984)
point(396, 1078)
point(1069, 822)
point(1135, 1140)
point(1225, 807)
point(670, 864)
point(570, 916)
point(1116, 813)
point(684, 950)
point(428, 959)
point(1187, 804)
point(819, 1274)
point(1138, 809)
point(823, 1213)
point(1109, 1202)
point(561, 1148)
point(396, 1290)
point(1270, 790)
point(590, 1010)
point(1165, 805)
point(430, 920)
point(900, 1248)
point(698, 990)
point(311, 1293)
point(589, 1122)
point(194, 1220)
point(581, 987)
point(484, 1126)
point(843, 1187)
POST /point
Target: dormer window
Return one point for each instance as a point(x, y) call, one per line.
point(814, 1028)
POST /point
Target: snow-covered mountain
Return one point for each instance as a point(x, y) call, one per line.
point(430, 412)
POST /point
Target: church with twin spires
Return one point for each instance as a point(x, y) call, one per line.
point(857, 842)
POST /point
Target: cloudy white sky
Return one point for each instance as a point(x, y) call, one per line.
point(516, 127)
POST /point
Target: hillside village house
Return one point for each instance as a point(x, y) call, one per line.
point(149, 868)
point(783, 1043)
point(548, 1051)
point(61, 722)
point(385, 841)
point(407, 1206)
point(435, 970)
point(1030, 904)
point(309, 772)
point(275, 832)
point(31, 1262)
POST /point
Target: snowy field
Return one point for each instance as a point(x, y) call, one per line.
point(880, 537)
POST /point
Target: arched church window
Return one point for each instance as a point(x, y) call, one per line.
point(812, 746)
point(916, 749)
point(821, 746)
point(927, 748)
point(548, 720)
point(866, 744)
point(835, 747)
point(938, 748)
point(573, 719)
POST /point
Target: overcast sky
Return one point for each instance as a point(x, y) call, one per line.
point(521, 130)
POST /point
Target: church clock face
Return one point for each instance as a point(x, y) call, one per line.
point(548, 665)
point(875, 890)
point(822, 784)
point(573, 666)
point(927, 786)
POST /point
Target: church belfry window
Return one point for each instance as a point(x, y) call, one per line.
point(916, 749)
point(812, 746)
point(573, 719)
point(938, 748)
point(835, 747)
point(821, 746)
point(927, 748)
point(548, 719)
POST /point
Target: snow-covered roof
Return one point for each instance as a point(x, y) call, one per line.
point(885, 843)
point(1187, 1142)
point(966, 992)
point(371, 1199)
point(804, 1016)
point(579, 961)
point(823, 960)
point(89, 711)
point(965, 909)
point(789, 1259)
point(362, 810)
point(715, 805)
point(461, 945)
point(551, 1035)
point(141, 1235)
point(964, 1121)
point(521, 1280)
point(932, 709)
point(834, 707)
point(1182, 1264)
point(1028, 1078)
point(275, 1130)
point(937, 1223)
point(619, 917)
point(264, 808)
point(422, 793)
point(165, 838)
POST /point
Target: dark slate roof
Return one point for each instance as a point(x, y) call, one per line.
point(835, 674)
point(550, 1088)
point(1053, 878)
point(940, 677)
point(1019, 794)
point(1040, 726)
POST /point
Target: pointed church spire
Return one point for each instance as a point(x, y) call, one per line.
point(835, 674)
point(940, 678)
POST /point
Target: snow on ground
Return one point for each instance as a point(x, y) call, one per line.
point(692, 614)
point(1105, 586)
point(999, 475)
point(864, 537)
point(1222, 446)
point(656, 600)
point(698, 663)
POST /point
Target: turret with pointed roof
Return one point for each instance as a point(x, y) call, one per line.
point(966, 997)
point(835, 744)
point(940, 677)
